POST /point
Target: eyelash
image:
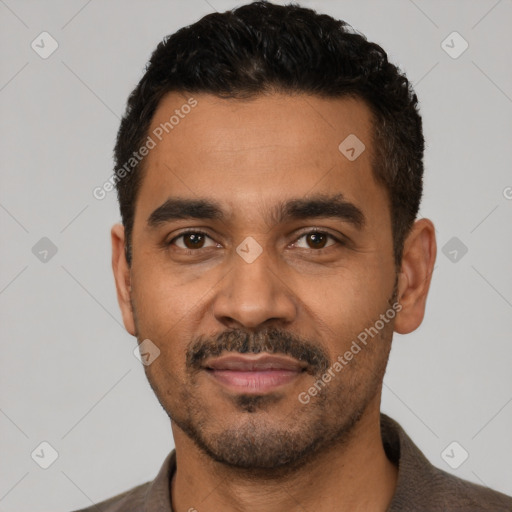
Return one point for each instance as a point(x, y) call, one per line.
point(338, 241)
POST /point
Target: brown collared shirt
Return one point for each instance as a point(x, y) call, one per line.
point(421, 487)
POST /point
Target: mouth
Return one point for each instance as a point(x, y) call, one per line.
point(254, 373)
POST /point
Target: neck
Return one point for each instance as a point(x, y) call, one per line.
point(356, 475)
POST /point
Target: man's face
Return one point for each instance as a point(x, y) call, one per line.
point(258, 280)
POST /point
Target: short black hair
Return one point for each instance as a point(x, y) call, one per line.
point(262, 48)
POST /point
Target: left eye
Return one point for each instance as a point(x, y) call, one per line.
point(317, 239)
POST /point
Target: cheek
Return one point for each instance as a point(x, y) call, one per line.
point(344, 311)
point(343, 302)
point(162, 313)
point(166, 296)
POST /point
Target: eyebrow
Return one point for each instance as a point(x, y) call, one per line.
point(318, 206)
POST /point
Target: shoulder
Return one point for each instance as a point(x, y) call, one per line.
point(152, 495)
point(128, 501)
point(446, 492)
point(423, 487)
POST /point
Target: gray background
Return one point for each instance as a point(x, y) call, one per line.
point(67, 369)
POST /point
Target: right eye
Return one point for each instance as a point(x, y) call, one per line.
point(192, 240)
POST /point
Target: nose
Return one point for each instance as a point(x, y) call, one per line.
point(254, 294)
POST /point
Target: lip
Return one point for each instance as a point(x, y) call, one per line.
point(255, 373)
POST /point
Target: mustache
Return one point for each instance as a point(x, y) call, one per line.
point(271, 341)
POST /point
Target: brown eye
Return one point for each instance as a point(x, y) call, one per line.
point(316, 240)
point(190, 240)
point(193, 240)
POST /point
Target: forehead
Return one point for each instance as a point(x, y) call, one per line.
point(243, 152)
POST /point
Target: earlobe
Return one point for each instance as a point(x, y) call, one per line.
point(122, 276)
point(417, 265)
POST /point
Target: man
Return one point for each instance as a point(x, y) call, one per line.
point(269, 174)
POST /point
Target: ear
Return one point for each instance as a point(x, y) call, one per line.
point(419, 256)
point(122, 276)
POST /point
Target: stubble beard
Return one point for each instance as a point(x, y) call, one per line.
point(262, 442)
point(270, 444)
